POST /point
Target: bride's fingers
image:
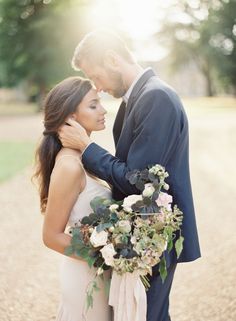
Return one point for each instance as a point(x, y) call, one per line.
point(73, 123)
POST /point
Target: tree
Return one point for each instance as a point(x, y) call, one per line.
point(34, 44)
point(202, 34)
point(222, 29)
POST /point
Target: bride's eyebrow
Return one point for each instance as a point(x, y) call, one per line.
point(95, 100)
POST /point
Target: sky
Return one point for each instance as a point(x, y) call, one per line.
point(140, 19)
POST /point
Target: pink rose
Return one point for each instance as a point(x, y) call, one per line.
point(164, 200)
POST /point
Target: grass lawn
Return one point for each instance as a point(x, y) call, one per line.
point(14, 157)
point(16, 109)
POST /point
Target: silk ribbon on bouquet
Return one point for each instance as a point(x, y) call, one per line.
point(128, 297)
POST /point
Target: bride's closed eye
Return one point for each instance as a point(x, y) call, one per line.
point(94, 103)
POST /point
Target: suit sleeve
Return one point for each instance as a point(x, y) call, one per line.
point(157, 129)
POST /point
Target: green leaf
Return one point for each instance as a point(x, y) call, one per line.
point(102, 227)
point(69, 250)
point(132, 177)
point(170, 245)
point(179, 246)
point(91, 261)
point(147, 201)
point(86, 220)
point(162, 269)
point(96, 203)
point(151, 176)
point(76, 232)
point(76, 241)
point(140, 185)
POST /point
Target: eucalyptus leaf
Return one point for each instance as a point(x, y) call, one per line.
point(179, 246)
point(76, 231)
point(75, 240)
point(96, 203)
point(91, 261)
point(151, 176)
point(155, 195)
point(69, 250)
point(140, 185)
point(147, 201)
point(162, 269)
point(144, 174)
point(170, 245)
point(102, 227)
point(86, 220)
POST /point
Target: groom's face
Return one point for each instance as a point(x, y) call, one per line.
point(105, 79)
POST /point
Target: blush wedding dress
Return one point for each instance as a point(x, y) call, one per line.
point(75, 275)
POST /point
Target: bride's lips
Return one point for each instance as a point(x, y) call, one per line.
point(102, 120)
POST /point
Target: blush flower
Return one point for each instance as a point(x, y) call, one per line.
point(164, 200)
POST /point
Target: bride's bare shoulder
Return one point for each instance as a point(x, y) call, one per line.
point(68, 161)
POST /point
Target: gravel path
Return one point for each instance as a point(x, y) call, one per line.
point(202, 291)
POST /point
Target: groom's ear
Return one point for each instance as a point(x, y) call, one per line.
point(111, 59)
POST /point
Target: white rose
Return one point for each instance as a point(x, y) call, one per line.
point(98, 239)
point(129, 201)
point(124, 226)
point(108, 253)
point(113, 207)
point(149, 190)
point(133, 239)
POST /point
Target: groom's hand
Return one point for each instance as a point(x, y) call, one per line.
point(74, 136)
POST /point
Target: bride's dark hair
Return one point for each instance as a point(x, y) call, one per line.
point(61, 102)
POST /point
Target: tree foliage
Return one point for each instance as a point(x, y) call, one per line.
point(205, 34)
point(37, 39)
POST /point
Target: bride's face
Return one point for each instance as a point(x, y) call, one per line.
point(90, 113)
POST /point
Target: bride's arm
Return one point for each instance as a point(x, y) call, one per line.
point(67, 182)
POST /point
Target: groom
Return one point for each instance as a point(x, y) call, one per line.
point(150, 127)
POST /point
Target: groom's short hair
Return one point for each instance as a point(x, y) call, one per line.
point(94, 45)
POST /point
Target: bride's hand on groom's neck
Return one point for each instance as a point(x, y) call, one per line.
point(73, 135)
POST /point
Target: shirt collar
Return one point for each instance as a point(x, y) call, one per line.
point(129, 91)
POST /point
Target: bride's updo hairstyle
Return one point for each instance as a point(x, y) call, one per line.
point(60, 103)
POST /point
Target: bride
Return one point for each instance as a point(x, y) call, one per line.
point(66, 190)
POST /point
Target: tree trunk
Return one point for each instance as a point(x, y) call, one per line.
point(206, 70)
point(41, 97)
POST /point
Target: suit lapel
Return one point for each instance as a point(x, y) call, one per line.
point(124, 110)
point(138, 86)
point(118, 124)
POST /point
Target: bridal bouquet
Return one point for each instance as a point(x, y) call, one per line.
point(131, 235)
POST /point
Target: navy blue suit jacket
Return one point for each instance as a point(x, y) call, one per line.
point(153, 128)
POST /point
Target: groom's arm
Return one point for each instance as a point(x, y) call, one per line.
point(157, 131)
